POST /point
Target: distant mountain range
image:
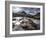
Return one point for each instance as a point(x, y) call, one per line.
point(23, 14)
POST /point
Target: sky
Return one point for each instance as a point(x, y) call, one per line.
point(27, 10)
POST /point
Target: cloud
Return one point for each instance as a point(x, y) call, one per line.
point(16, 10)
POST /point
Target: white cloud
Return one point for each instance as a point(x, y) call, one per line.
point(16, 10)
